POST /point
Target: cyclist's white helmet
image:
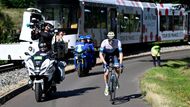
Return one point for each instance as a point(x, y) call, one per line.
point(110, 35)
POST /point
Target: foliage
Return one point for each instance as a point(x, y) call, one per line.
point(168, 86)
point(8, 24)
point(5, 28)
point(17, 3)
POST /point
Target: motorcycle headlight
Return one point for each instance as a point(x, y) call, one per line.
point(31, 69)
point(76, 57)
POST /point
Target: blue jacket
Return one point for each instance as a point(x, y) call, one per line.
point(80, 46)
point(90, 47)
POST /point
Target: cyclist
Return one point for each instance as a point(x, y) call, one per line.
point(111, 48)
point(155, 52)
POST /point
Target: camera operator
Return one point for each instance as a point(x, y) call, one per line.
point(44, 36)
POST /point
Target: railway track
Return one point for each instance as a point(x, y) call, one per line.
point(9, 67)
point(128, 50)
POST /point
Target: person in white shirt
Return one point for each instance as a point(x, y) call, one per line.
point(111, 48)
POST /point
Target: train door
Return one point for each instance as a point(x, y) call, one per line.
point(130, 22)
point(95, 22)
point(149, 28)
point(112, 20)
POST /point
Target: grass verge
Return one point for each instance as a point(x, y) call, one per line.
point(169, 85)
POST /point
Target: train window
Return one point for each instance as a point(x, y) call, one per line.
point(170, 23)
point(178, 25)
point(163, 23)
point(129, 23)
point(166, 23)
point(95, 17)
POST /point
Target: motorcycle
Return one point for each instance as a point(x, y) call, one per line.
point(81, 61)
point(41, 70)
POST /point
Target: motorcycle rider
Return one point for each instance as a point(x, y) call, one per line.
point(45, 37)
point(90, 50)
point(80, 46)
point(43, 51)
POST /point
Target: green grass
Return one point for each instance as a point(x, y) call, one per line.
point(168, 86)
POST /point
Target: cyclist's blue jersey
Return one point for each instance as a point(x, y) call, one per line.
point(111, 49)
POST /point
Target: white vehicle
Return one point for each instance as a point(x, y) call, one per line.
point(41, 69)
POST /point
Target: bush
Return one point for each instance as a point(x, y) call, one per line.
point(5, 28)
point(10, 22)
point(17, 3)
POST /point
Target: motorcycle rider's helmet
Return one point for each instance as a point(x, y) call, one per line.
point(43, 47)
point(88, 37)
point(82, 38)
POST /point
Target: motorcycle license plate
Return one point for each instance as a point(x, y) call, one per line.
point(37, 57)
point(38, 81)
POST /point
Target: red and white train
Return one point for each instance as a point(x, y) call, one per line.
point(133, 22)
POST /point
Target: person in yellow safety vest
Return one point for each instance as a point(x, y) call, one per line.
point(155, 52)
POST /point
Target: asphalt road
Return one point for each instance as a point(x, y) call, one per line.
point(88, 91)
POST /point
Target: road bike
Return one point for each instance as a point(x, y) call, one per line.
point(112, 83)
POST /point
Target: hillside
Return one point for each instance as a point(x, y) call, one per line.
point(10, 24)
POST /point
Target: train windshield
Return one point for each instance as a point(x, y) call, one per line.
point(62, 14)
point(63, 17)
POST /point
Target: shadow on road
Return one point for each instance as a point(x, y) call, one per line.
point(70, 93)
point(95, 73)
point(125, 99)
point(162, 60)
point(173, 65)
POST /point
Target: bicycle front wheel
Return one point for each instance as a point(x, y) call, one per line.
point(112, 89)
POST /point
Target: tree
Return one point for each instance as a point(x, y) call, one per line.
point(5, 28)
point(18, 3)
